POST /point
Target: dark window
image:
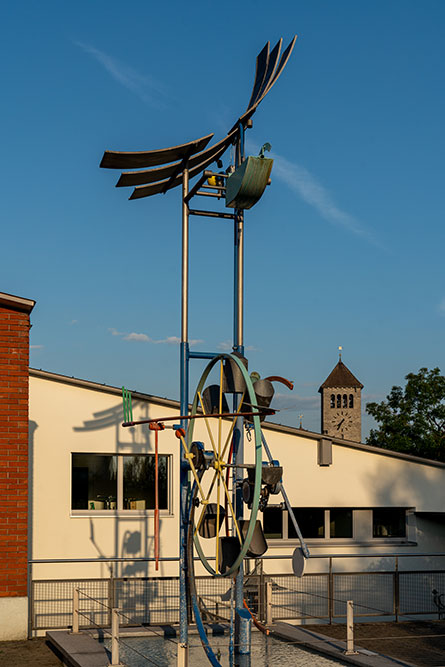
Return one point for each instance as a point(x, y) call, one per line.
point(273, 523)
point(139, 482)
point(340, 523)
point(332, 400)
point(389, 523)
point(94, 482)
point(345, 400)
point(338, 400)
point(310, 522)
point(351, 401)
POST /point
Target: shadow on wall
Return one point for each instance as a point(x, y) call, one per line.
point(422, 488)
point(137, 542)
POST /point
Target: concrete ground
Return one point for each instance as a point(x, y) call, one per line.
point(25, 653)
point(421, 643)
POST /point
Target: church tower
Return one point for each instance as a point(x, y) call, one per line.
point(341, 414)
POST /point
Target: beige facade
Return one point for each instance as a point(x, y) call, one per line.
point(71, 417)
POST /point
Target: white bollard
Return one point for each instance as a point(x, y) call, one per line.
point(350, 629)
point(269, 619)
point(114, 638)
point(76, 611)
point(183, 655)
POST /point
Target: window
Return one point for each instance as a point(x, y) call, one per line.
point(338, 400)
point(314, 523)
point(340, 523)
point(310, 522)
point(332, 400)
point(273, 523)
point(351, 400)
point(345, 400)
point(389, 522)
point(118, 482)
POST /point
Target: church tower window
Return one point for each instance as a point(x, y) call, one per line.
point(332, 400)
point(351, 400)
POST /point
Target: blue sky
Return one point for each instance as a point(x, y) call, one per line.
point(345, 248)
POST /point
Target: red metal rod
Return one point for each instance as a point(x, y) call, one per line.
point(267, 411)
point(156, 502)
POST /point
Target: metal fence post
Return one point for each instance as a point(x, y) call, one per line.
point(330, 592)
point(76, 611)
point(350, 628)
point(396, 590)
point(269, 620)
point(114, 638)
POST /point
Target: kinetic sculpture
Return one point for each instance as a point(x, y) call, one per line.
point(218, 489)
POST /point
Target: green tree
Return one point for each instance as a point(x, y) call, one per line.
point(412, 420)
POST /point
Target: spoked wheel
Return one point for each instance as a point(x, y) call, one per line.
point(214, 520)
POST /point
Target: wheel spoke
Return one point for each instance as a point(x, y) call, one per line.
point(218, 492)
point(231, 508)
point(226, 444)
point(209, 430)
point(206, 503)
point(189, 456)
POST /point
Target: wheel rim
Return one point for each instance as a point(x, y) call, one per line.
point(219, 465)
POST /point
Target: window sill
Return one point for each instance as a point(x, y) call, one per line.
point(111, 514)
point(275, 543)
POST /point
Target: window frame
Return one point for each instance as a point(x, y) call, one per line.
point(285, 520)
point(120, 511)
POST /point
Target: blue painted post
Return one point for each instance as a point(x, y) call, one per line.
point(182, 658)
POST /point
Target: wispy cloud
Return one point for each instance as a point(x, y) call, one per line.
point(295, 402)
point(301, 181)
point(36, 347)
point(143, 338)
point(145, 87)
point(306, 186)
point(441, 307)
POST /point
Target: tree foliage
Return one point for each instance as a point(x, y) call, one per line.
point(412, 420)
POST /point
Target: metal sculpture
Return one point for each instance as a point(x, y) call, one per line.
point(158, 171)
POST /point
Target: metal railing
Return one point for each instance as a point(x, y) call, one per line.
point(322, 596)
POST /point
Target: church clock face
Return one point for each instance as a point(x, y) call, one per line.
point(340, 423)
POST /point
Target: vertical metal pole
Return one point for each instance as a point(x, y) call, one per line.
point(330, 592)
point(76, 611)
point(396, 589)
point(242, 630)
point(184, 402)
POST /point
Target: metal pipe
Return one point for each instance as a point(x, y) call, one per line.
point(185, 257)
point(209, 194)
point(184, 388)
point(203, 355)
point(212, 214)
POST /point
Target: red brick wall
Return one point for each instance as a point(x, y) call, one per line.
point(14, 377)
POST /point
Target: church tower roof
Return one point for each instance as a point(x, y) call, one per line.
point(341, 376)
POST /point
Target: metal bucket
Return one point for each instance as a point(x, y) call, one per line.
point(207, 528)
point(264, 392)
point(210, 400)
point(258, 544)
point(229, 550)
point(233, 381)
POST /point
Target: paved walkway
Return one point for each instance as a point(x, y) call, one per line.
point(421, 643)
point(27, 653)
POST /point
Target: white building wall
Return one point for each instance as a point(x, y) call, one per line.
point(66, 418)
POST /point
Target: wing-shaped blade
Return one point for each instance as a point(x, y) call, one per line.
point(130, 160)
point(262, 62)
point(273, 60)
point(207, 158)
point(283, 62)
point(153, 175)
